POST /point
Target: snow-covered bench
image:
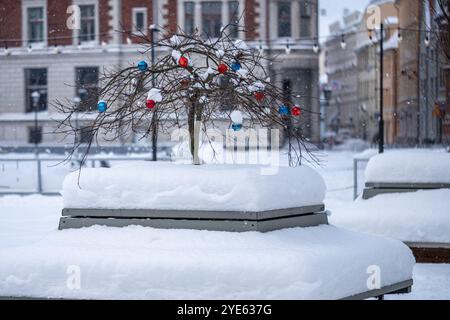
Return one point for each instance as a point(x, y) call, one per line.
point(400, 172)
point(406, 197)
point(209, 197)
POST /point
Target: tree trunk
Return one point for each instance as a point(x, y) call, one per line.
point(194, 125)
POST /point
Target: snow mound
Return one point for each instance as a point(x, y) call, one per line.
point(187, 187)
point(422, 216)
point(409, 167)
point(144, 263)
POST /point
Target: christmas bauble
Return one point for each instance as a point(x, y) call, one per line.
point(150, 104)
point(184, 83)
point(183, 62)
point(236, 126)
point(259, 96)
point(235, 66)
point(296, 111)
point(102, 106)
point(142, 65)
point(236, 117)
point(283, 110)
point(222, 68)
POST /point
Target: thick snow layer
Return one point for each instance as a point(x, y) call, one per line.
point(144, 263)
point(409, 166)
point(180, 186)
point(431, 282)
point(422, 216)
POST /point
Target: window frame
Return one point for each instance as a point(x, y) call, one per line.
point(214, 21)
point(79, 85)
point(279, 36)
point(30, 4)
point(30, 88)
point(134, 12)
point(184, 5)
point(226, 15)
point(76, 32)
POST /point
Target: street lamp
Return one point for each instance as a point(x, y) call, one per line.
point(153, 28)
point(35, 96)
point(327, 92)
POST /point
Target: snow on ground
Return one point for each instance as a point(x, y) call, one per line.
point(28, 224)
point(422, 216)
point(137, 262)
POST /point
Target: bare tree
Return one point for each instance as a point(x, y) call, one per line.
point(197, 82)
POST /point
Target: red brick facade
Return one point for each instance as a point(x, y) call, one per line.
point(59, 34)
point(250, 20)
point(171, 16)
point(10, 22)
point(127, 14)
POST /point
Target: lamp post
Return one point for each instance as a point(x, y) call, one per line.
point(35, 96)
point(381, 118)
point(154, 30)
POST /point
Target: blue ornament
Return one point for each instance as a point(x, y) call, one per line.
point(235, 66)
point(283, 110)
point(102, 106)
point(143, 66)
point(236, 126)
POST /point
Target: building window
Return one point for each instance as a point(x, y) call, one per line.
point(36, 89)
point(36, 24)
point(87, 87)
point(284, 19)
point(211, 18)
point(87, 23)
point(305, 19)
point(34, 135)
point(233, 8)
point(140, 21)
point(189, 17)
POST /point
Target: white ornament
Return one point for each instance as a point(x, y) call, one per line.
point(155, 95)
point(236, 117)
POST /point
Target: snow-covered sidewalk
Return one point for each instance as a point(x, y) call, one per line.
point(113, 262)
point(136, 262)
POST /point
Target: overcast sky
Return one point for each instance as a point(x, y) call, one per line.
point(334, 10)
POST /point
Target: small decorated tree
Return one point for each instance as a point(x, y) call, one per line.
point(188, 86)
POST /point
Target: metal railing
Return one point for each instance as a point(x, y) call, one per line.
point(356, 169)
point(38, 178)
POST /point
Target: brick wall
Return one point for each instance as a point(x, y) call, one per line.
point(10, 22)
point(58, 33)
point(127, 14)
point(251, 25)
point(171, 15)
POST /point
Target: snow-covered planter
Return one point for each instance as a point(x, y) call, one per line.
point(406, 197)
point(406, 171)
point(243, 195)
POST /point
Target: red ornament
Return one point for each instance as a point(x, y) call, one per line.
point(222, 68)
point(184, 83)
point(150, 104)
point(259, 96)
point(296, 111)
point(183, 62)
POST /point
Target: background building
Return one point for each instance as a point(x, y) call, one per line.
point(341, 116)
point(42, 60)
